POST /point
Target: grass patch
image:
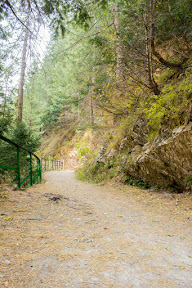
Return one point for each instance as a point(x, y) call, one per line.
point(96, 172)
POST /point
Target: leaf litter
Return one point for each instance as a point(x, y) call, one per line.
point(94, 236)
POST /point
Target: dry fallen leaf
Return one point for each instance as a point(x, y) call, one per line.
point(7, 218)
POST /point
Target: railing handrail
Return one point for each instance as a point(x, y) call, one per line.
point(17, 145)
point(18, 167)
point(52, 164)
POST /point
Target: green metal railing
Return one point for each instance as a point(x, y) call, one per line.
point(50, 164)
point(33, 168)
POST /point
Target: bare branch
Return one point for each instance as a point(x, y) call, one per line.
point(12, 10)
point(85, 37)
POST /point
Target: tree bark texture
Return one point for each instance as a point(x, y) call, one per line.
point(148, 20)
point(22, 73)
point(92, 101)
point(5, 98)
point(119, 51)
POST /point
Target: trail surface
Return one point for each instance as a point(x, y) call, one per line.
point(108, 236)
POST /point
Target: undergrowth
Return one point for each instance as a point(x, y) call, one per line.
point(170, 104)
point(129, 180)
point(97, 172)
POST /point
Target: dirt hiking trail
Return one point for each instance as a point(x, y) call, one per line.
point(66, 233)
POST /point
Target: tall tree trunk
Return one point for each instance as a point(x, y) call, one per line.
point(119, 51)
point(91, 111)
point(78, 107)
point(23, 67)
point(148, 22)
point(5, 98)
point(92, 101)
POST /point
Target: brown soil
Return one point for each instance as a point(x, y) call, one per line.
point(65, 233)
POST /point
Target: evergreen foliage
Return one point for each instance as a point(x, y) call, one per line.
point(21, 135)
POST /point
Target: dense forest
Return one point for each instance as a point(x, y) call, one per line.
point(107, 83)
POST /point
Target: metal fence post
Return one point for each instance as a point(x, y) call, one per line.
point(30, 171)
point(39, 170)
point(29, 165)
point(18, 167)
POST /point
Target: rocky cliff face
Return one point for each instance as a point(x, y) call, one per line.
point(166, 163)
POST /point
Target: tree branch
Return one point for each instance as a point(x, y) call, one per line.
point(12, 10)
point(166, 63)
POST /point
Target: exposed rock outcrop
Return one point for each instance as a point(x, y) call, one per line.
point(102, 157)
point(168, 163)
point(138, 136)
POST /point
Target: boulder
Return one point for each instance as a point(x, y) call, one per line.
point(102, 157)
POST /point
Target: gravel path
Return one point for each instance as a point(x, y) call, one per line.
point(66, 233)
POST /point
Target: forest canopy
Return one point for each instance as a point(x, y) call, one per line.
point(113, 57)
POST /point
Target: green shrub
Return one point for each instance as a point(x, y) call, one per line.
point(170, 103)
point(96, 172)
point(82, 148)
point(135, 182)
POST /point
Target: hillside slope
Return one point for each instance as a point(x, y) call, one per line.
point(151, 147)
